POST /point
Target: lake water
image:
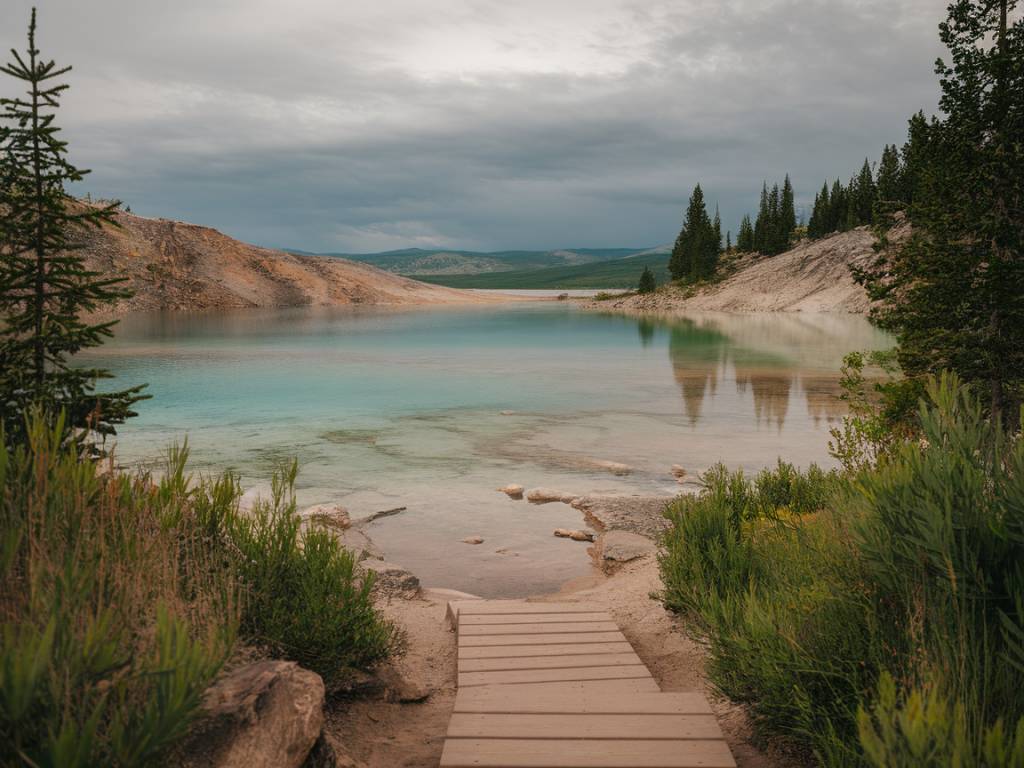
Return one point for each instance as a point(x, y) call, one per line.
point(433, 409)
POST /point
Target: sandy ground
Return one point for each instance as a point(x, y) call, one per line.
point(382, 734)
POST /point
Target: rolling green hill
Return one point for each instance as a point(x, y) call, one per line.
point(616, 273)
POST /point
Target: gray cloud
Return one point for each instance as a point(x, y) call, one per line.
point(470, 123)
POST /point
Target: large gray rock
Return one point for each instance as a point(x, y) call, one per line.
point(390, 578)
point(264, 715)
point(638, 514)
point(623, 546)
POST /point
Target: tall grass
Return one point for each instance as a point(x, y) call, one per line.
point(121, 597)
point(879, 618)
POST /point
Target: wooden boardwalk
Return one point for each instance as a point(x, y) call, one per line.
point(557, 685)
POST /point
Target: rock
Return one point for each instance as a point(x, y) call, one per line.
point(547, 495)
point(678, 472)
point(359, 544)
point(566, 533)
point(390, 578)
point(615, 467)
point(399, 688)
point(264, 715)
point(329, 752)
point(513, 491)
point(331, 516)
point(508, 413)
point(473, 540)
point(623, 546)
point(563, 296)
point(639, 514)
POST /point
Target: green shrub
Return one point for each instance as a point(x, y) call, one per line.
point(809, 590)
point(304, 598)
point(116, 614)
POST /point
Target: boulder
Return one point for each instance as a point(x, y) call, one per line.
point(390, 578)
point(638, 514)
point(512, 491)
point(359, 544)
point(473, 540)
point(548, 495)
point(566, 533)
point(623, 546)
point(268, 714)
point(615, 467)
point(333, 517)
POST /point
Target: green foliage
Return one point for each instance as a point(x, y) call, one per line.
point(116, 610)
point(699, 244)
point(647, 283)
point(45, 287)
point(952, 293)
point(745, 238)
point(910, 568)
point(305, 599)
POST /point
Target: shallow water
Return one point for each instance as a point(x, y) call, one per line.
point(434, 409)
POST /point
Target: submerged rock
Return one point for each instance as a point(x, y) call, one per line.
point(264, 715)
point(615, 467)
point(331, 516)
point(567, 533)
point(678, 472)
point(473, 540)
point(359, 544)
point(390, 578)
point(548, 495)
point(512, 491)
point(639, 514)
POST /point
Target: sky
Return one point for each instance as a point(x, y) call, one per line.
point(333, 125)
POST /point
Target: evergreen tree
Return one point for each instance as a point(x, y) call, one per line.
point(890, 176)
point(695, 254)
point(761, 222)
point(745, 238)
point(647, 283)
point(819, 223)
point(45, 287)
point(787, 222)
point(954, 292)
point(728, 240)
point(865, 195)
point(718, 229)
point(913, 155)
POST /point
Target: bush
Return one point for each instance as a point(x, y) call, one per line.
point(305, 600)
point(121, 598)
point(116, 610)
point(811, 592)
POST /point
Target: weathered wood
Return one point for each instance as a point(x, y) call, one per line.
point(550, 662)
point(536, 629)
point(469, 725)
point(522, 676)
point(525, 651)
point(596, 687)
point(474, 607)
point(581, 753)
point(573, 699)
point(569, 638)
point(472, 620)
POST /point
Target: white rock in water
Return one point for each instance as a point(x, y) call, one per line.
point(512, 491)
point(615, 467)
point(473, 540)
point(566, 533)
point(547, 495)
point(678, 472)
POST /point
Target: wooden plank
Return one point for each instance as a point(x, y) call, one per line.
point(524, 651)
point(472, 607)
point(550, 662)
point(573, 699)
point(596, 687)
point(521, 676)
point(577, 753)
point(531, 618)
point(536, 629)
point(569, 638)
point(466, 725)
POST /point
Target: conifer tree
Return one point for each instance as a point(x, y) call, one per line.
point(787, 215)
point(695, 254)
point(865, 195)
point(954, 292)
point(914, 155)
point(45, 287)
point(745, 237)
point(647, 282)
point(728, 240)
point(890, 181)
point(761, 222)
point(836, 207)
point(718, 229)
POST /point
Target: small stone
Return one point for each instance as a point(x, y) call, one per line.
point(581, 536)
point(390, 578)
point(473, 540)
point(547, 495)
point(512, 491)
point(615, 467)
point(678, 472)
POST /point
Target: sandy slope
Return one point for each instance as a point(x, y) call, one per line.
point(174, 265)
point(812, 277)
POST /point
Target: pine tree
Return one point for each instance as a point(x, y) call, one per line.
point(761, 222)
point(728, 240)
point(954, 292)
point(890, 177)
point(745, 237)
point(718, 230)
point(866, 194)
point(647, 283)
point(45, 287)
point(836, 207)
point(819, 223)
point(787, 223)
point(695, 254)
point(914, 155)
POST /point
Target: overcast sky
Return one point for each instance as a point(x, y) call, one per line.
point(335, 125)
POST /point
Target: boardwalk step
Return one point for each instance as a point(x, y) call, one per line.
point(582, 753)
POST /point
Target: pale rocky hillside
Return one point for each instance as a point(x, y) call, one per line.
point(174, 265)
point(812, 277)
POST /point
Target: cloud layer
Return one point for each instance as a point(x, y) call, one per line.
point(468, 123)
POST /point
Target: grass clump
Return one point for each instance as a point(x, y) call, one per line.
point(122, 596)
point(872, 618)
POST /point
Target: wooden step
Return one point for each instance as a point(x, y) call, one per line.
point(586, 753)
point(550, 662)
point(576, 700)
point(524, 676)
point(537, 628)
point(566, 638)
point(470, 725)
point(526, 651)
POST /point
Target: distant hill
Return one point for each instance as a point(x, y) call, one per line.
point(417, 261)
point(615, 273)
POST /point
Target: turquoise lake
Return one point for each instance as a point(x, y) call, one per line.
point(434, 409)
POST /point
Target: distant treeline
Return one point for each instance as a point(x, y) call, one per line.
point(888, 185)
